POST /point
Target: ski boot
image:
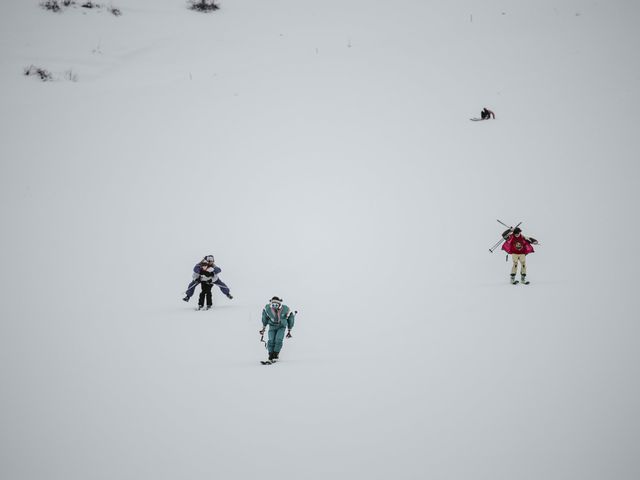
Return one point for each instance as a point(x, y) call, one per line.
point(276, 356)
point(186, 299)
point(229, 296)
point(269, 361)
point(513, 279)
point(523, 279)
point(200, 307)
point(208, 307)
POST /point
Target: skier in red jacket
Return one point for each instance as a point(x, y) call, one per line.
point(519, 247)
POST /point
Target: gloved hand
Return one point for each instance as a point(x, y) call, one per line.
point(261, 332)
point(288, 333)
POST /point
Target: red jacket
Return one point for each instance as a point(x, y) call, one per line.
point(518, 245)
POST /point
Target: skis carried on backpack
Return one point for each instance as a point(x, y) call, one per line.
point(501, 241)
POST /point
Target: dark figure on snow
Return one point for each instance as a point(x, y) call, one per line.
point(519, 247)
point(486, 114)
point(279, 318)
point(206, 273)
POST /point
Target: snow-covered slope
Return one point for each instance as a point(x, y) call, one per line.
point(322, 152)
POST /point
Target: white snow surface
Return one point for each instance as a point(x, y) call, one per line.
point(323, 152)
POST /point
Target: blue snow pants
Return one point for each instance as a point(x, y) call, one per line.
point(223, 287)
point(192, 287)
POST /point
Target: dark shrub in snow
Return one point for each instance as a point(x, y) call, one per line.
point(57, 5)
point(203, 5)
point(60, 5)
point(41, 73)
point(51, 5)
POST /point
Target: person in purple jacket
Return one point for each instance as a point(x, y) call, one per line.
point(206, 273)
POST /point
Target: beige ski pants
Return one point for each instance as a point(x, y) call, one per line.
point(523, 264)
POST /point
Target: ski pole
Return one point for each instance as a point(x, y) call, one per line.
point(295, 312)
point(508, 226)
point(496, 245)
point(502, 239)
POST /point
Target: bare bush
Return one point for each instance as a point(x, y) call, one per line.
point(61, 5)
point(41, 73)
point(203, 5)
point(51, 5)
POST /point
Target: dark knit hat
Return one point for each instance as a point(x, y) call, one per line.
point(517, 230)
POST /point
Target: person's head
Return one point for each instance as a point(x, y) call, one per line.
point(208, 260)
point(517, 231)
point(276, 303)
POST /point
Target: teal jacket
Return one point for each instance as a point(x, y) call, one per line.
point(277, 319)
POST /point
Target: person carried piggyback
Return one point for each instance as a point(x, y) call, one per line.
point(206, 273)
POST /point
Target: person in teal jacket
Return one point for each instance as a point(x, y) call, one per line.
point(279, 317)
